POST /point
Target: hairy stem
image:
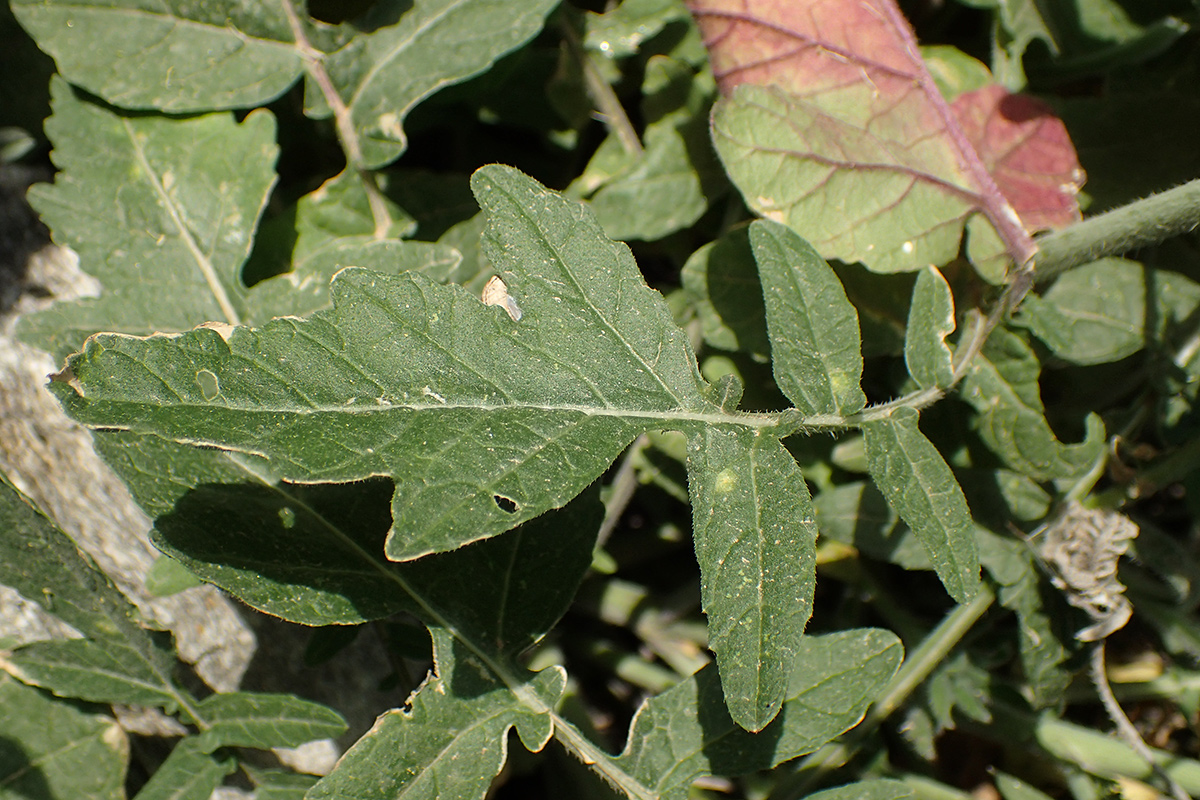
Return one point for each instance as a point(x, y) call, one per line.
point(1125, 728)
point(1144, 222)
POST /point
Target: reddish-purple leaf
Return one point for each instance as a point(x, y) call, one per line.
point(843, 135)
point(1028, 152)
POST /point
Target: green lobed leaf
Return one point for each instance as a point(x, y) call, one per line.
point(930, 320)
point(755, 540)
point(305, 288)
point(119, 661)
point(54, 749)
point(160, 210)
point(243, 719)
point(314, 554)
point(686, 732)
point(381, 75)
point(452, 739)
point(916, 482)
point(1093, 314)
point(189, 773)
point(482, 422)
point(816, 351)
point(170, 56)
point(957, 689)
point(1002, 387)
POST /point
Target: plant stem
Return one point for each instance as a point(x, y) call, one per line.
point(343, 124)
point(1125, 729)
point(1143, 222)
point(623, 486)
point(607, 104)
point(916, 668)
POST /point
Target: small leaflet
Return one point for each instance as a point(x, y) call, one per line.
point(496, 294)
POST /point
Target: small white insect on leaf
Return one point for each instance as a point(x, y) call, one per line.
point(496, 294)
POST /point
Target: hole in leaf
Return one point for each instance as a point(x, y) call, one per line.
point(507, 505)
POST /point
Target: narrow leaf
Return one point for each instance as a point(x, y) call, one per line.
point(100, 672)
point(816, 351)
point(930, 320)
point(119, 662)
point(829, 101)
point(755, 541)
point(208, 55)
point(53, 749)
point(452, 739)
point(381, 75)
point(916, 482)
point(150, 202)
point(189, 773)
point(686, 732)
point(1002, 387)
point(242, 719)
point(481, 421)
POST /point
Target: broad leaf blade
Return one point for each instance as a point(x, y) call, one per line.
point(829, 101)
point(242, 719)
point(186, 195)
point(63, 752)
point(210, 55)
point(452, 741)
point(483, 422)
point(381, 75)
point(816, 351)
point(686, 732)
point(930, 320)
point(1027, 151)
point(314, 554)
point(1092, 315)
point(911, 474)
point(755, 542)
